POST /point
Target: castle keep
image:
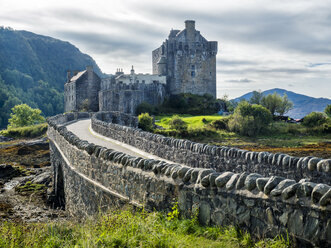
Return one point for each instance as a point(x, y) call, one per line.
point(188, 60)
point(184, 63)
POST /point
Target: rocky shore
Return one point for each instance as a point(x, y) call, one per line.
point(26, 182)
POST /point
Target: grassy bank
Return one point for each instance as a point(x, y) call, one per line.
point(290, 138)
point(192, 121)
point(128, 229)
point(25, 132)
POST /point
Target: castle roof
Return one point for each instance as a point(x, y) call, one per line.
point(77, 76)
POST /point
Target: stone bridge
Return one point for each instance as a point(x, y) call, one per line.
point(102, 160)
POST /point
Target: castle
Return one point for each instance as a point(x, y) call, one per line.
point(184, 63)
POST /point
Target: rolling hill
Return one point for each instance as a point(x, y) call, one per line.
point(33, 71)
point(303, 104)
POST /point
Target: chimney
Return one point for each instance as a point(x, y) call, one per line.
point(68, 75)
point(190, 30)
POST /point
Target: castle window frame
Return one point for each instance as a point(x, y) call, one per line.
point(137, 81)
point(143, 81)
point(180, 46)
point(193, 67)
point(193, 74)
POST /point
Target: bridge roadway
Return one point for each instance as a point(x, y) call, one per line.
point(83, 129)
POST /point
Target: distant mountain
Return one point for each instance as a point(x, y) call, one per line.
point(303, 104)
point(33, 70)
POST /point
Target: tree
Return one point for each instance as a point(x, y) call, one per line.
point(327, 110)
point(276, 104)
point(230, 105)
point(145, 107)
point(314, 119)
point(145, 122)
point(285, 105)
point(256, 97)
point(271, 102)
point(23, 115)
point(250, 119)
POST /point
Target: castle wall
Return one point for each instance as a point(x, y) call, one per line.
point(70, 97)
point(96, 178)
point(126, 97)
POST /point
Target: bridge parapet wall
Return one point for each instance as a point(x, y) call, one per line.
point(97, 178)
point(220, 159)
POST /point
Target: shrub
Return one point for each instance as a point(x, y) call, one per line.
point(324, 128)
point(177, 123)
point(221, 124)
point(204, 121)
point(25, 132)
point(250, 119)
point(327, 110)
point(314, 119)
point(293, 128)
point(145, 107)
point(145, 122)
point(187, 103)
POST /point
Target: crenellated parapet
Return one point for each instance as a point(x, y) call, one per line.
point(96, 178)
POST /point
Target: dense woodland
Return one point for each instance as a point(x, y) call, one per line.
point(33, 71)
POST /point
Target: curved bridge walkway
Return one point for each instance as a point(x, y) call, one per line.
point(82, 128)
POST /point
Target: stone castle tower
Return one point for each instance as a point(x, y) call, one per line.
point(188, 60)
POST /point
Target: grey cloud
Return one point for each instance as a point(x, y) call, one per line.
point(279, 70)
point(127, 27)
point(243, 80)
point(228, 62)
point(318, 64)
point(102, 43)
point(304, 32)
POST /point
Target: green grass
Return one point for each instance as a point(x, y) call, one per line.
point(25, 132)
point(126, 228)
point(30, 188)
point(192, 121)
point(280, 134)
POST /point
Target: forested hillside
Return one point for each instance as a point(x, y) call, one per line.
point(33, 71)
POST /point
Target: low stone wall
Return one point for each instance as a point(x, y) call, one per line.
point(220, 159)
point(117, 118)
point(96, 178)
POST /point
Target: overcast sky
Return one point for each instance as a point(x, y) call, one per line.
point(262, 44)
